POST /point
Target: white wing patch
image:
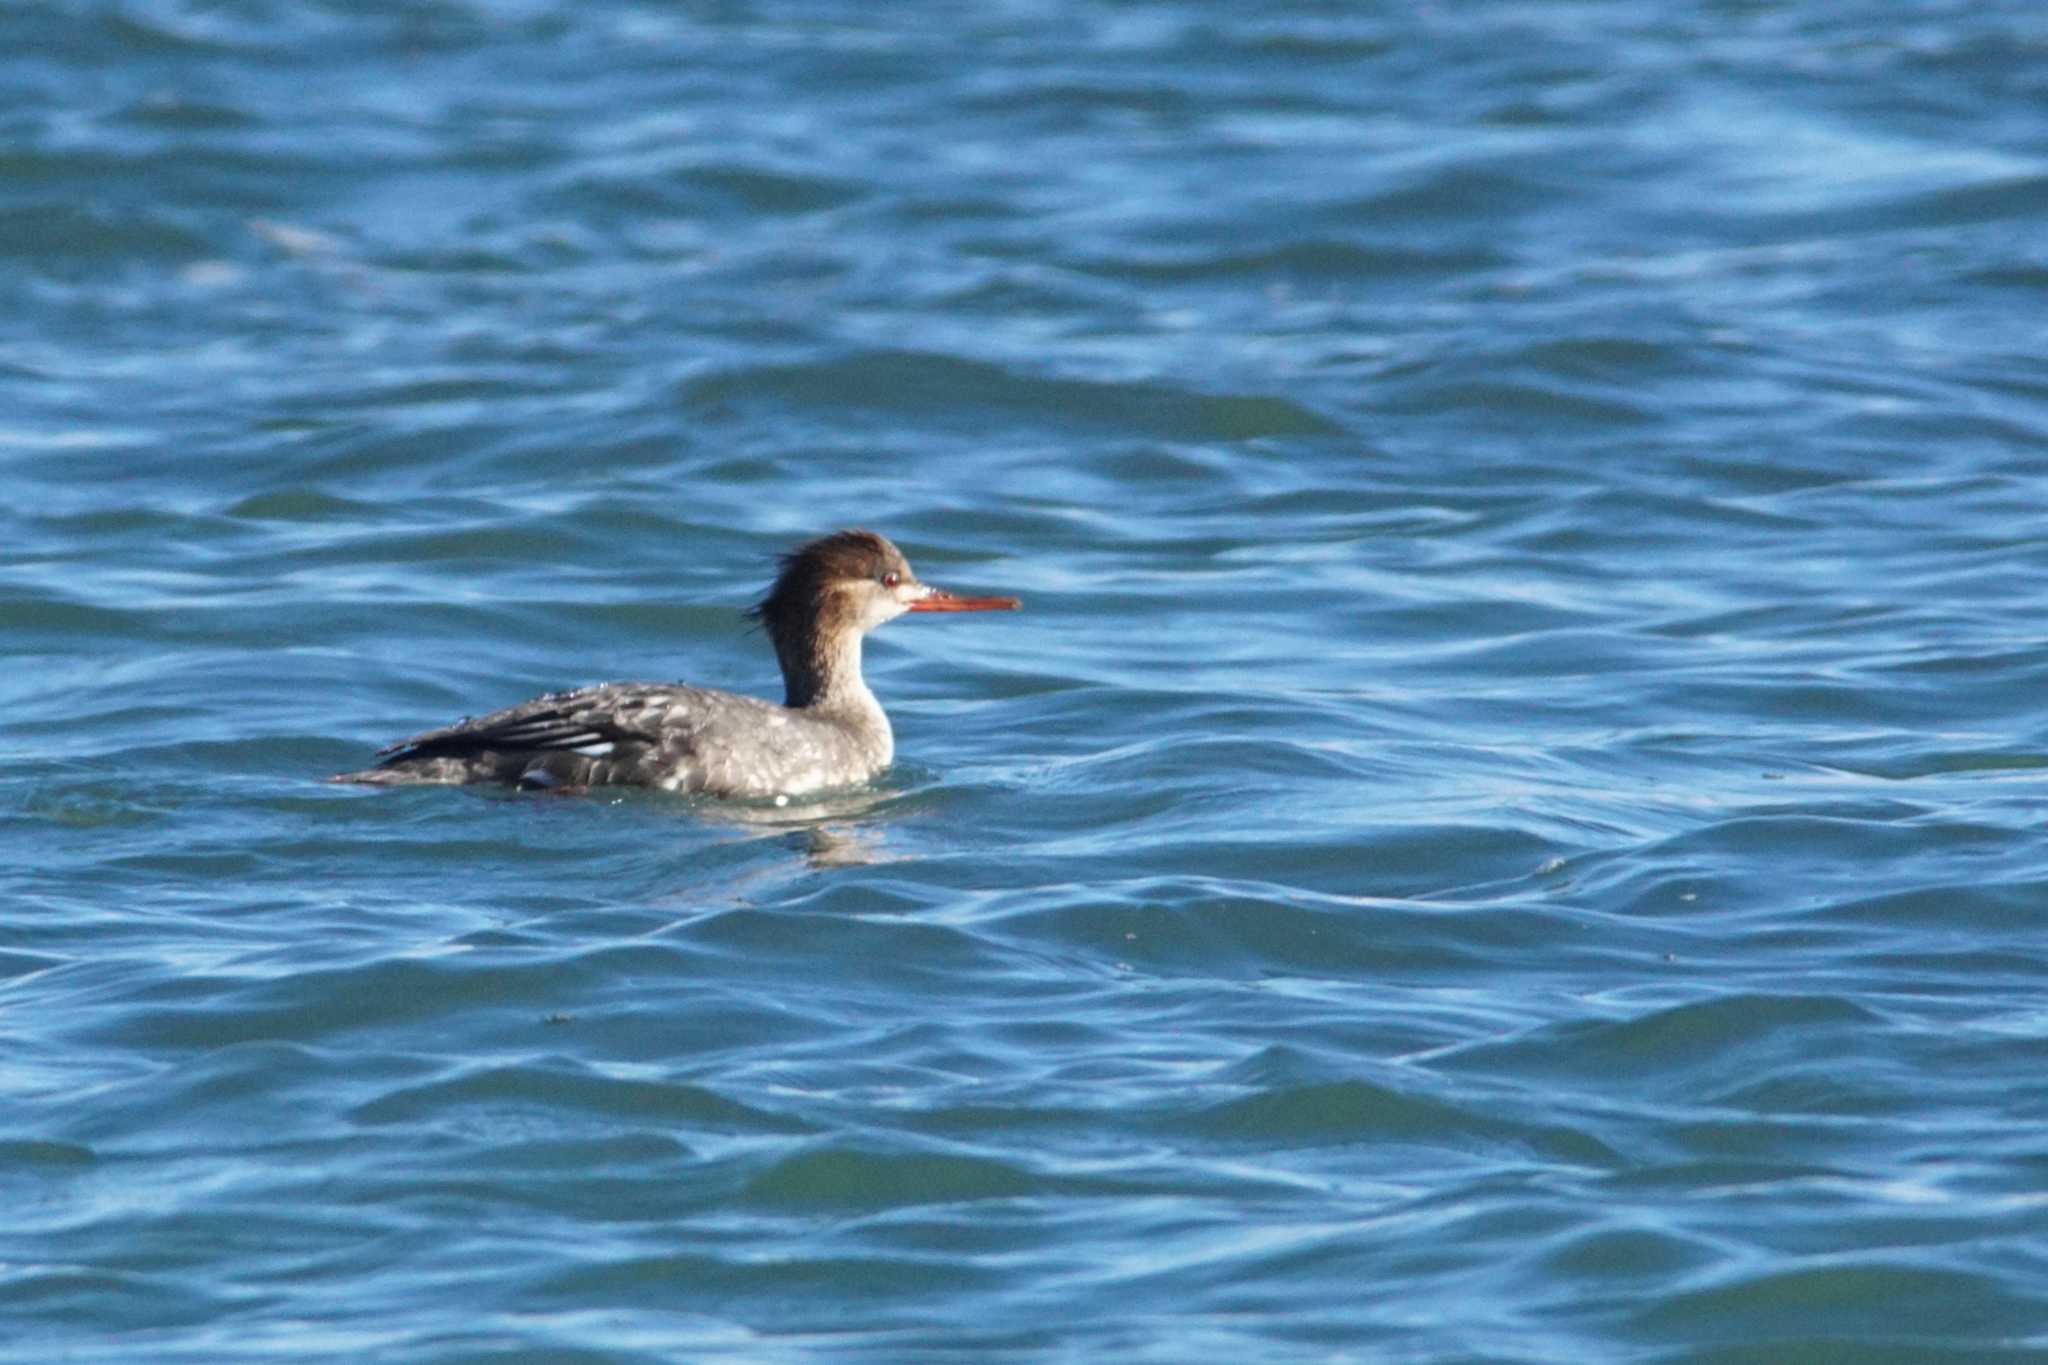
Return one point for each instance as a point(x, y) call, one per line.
point(595, 750)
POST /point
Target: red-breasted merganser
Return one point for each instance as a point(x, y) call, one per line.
point(829, 732)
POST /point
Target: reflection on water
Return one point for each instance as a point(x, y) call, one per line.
point(846, 846)
point(846, 828)
point(840, 829)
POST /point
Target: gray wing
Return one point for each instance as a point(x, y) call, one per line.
point(627, 718)
point(630, 734)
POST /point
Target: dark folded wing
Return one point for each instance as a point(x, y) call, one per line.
point(591, 719)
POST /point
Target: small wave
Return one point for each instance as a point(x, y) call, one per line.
point(975, 392)
point(839, 1179)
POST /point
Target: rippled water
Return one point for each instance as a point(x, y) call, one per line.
point(1509, 827)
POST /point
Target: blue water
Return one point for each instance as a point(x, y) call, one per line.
point(1510, 826)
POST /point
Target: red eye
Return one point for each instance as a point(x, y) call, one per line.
point(891, 579)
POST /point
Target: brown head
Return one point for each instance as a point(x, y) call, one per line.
point(832, 591)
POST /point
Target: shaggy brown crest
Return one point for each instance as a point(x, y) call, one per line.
point(807, 571)
point(809, 619)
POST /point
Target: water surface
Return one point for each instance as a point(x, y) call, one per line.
point(1508, 829)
